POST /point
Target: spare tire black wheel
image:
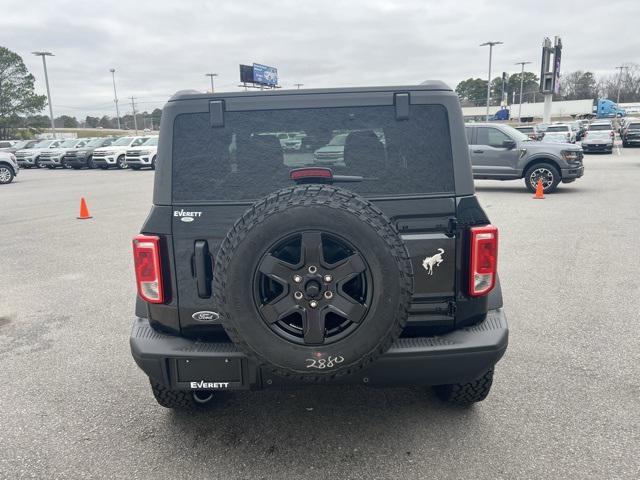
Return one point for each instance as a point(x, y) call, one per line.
point(313, 282)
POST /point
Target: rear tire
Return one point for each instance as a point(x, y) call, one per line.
point(548, 173)
point(466, 394)
point(90, 163)
point(181, 399)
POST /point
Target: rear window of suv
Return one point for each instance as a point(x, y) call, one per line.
point(602, 126)
point(558, 128)
point(252, 155)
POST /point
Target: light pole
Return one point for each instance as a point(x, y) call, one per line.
point(521, 87)
point(490, 44)
point(115, 95)
point(211, 75)
point(620, 81)
point(46, 80)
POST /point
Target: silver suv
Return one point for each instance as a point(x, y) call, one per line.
point(500, 152)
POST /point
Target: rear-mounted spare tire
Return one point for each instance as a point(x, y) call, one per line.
point(313, 282)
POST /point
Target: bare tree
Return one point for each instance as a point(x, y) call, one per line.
point(628, 81)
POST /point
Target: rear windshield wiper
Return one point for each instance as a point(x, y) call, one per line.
point(322, 175)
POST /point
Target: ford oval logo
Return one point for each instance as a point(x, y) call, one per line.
point(186, 219)
point(206, 316)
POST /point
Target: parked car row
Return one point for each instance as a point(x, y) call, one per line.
point(596, 136)
point(103, 152)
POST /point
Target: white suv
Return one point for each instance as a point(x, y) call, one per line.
point(564, 128)
point(144, 155)
point(114, 154)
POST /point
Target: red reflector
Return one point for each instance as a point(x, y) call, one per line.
point(483, 264)
point(310, 173)
point(146, 259)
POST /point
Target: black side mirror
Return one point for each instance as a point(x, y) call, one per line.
point(509, 144)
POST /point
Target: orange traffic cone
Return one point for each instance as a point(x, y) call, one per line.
point(539, 190)
point(84, 211)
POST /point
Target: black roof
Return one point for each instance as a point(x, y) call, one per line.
point(429, 85)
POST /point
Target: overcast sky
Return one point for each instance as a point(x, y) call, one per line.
point(159, 47)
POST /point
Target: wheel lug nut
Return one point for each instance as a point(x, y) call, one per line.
point(313, 304)
point(328, 278)
point(313, 269)
point(297, 278)
point(328, 295)
point(298, 295)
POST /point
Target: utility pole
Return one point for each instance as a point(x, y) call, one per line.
point(133, 107)
point(211, 75)
point(521, 87)
point(115, 95)
point(626, 67)
point(298, 85)
point(46, 79)
point(490, 44)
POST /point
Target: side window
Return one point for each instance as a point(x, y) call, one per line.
point(469, 132)
point(137, 142)
point(492, 137)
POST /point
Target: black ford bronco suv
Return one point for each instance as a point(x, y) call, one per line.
point(262, 264)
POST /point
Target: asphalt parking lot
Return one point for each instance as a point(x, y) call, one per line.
point(565, 403)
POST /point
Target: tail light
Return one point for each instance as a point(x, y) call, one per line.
point(313, 173)
point(146, 258)
point(483, 266)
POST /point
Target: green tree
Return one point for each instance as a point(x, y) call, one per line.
point(156, 115)
point(36, 121)
point(17, 96)
point(530, 84)
point(512, 88)
point(91, 122)
point(65, 121)
point(472, 90)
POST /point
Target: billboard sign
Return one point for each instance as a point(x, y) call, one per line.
point(265, 75)
point(246, 73)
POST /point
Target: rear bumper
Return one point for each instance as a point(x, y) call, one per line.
point(456, 357)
